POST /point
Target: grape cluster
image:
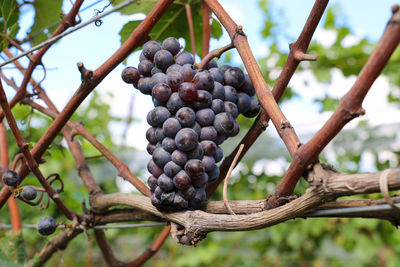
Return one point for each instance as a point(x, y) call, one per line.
point(194, 112)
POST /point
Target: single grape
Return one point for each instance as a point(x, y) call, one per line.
point(224, 123)
point(243, 102)
point(167, 199)
point(163, 59)
point(208, 133)
point(218, 91)
point(189, 192)
point(187, 91)
point(171, 169)
point(174, 79)
point(157, 116)
point(175, 102)
point(154, 169)
point(161, 157)
point(145, 85)
point(179, 157)
point(157, 103)
point(194, 168)
point(218, 106)
point(168, 144)
point(152, 182)
point(47, 226)
point(171, 126)
point(160, 134)
point(130, 75)
point(231, 108)
point(150, 148)
point(198, 199)
point(155, 70)
point(219, 154)
point(236, 130)
point(197, 128)
point(254, 108)
point(155, 200)
point(217, 74)
point(161, 92)
point(145, 67)
point(184, 58)
point(174, 67)
point(209, 147)
point(165, 183)
point(203, 80)
point(201, 181)
point(186, 139)
point(213, 174)
point(186, 116)
point(172, 45)
point(208, 163)
point(11, 178)
point(158, 191)
point(150, 48)
point(205, 117)
point(180, 202)
point(188, 71)
point(203, 100)
point(196, 153)
point(158, 78)
point(211, 64)
point(234, 76)
point(29, 193)
point(142, 57)
point(225, 68)
point(182, 180)
point(230, 94)
point(221, 139)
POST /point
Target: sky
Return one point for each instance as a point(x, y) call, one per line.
point(93, 45)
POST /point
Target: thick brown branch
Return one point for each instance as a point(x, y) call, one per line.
point(349, 108)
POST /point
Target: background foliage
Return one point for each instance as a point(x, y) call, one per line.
point(318, 242)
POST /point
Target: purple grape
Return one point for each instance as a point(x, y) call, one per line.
point(174, 67)
point(150, 148)
point(165, 183)
point(225, 68)
point(218, 155)
point(151, 135)
point(187, 91)
point(155, 70)
point(155, 201)
point(217, 74)
point(208, 133)
point(174, 79)
point(188, 71)
point(230, 94)
point(203, 100)
point(130, 75)
point(172, 45)
point(145, 67)
point(171, 126)
point(198, 199)
point(142, 57)
point(158, 78)
point(231, 108)
point(209, 147)
point(194, 168)
point(213, 174)
point(196, 153)
point(218, 92)
point(186, 116)
point(197, 128)
point(224, 123)
point(184, 58)
point(158, 191)
point(203, 80)
point(180, 202)
point(254, 108)
point(208, 163)
point(188, 193)
point(174, 103)
point(157, 116)
point(152, 182)
point(186, 139)
point(161, 157)
point(201, 181)
point(182, 180)
point(150, 49)
point(247, 86)
point(171, 169)
point(234, 76)
point(154, 169)
point(168, 144)
point(243, 102)
point(179, 157)
point(236, 130)
point(161, 92)
point(145, 85)
point(211, 64)
point(218, 106)
point(163, 59)
point(11, 178)
point(205, 117)
point(167, 199)
point(46, 226)
point(220, 139)
point(29, 193)
point(160, 134)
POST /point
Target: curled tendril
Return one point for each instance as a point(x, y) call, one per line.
point(18, 158)
point(53, 178)
point(98, 22)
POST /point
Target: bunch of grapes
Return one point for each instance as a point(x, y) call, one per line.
point(195, 112)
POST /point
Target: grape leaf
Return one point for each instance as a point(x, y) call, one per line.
point(173, 23)
point(47, 14)
point(9, 14)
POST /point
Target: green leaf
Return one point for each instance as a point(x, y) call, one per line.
point(47, 13)
point(12, 249)
point(9, 14)
point(174, 23)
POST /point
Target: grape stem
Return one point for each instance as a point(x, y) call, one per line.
point(228, 175)
point(214, 53)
